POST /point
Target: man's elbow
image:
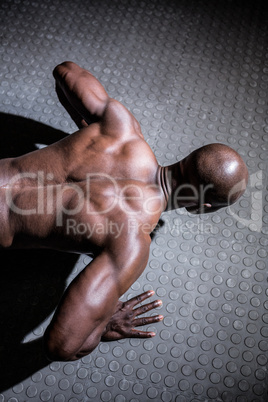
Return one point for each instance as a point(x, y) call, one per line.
point(54, 351)
point(57, 354)
point(58, 350)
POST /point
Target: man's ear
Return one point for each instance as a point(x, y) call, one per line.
point(203, 209)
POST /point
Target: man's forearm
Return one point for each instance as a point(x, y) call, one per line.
point(83, 313)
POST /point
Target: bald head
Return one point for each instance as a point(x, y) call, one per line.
point(220, 171)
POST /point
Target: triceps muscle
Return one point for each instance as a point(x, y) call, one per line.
point(88, 304)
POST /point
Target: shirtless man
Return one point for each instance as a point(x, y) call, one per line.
point(101, 191)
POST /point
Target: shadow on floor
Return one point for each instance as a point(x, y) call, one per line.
point(19, 135)
point(32, 281)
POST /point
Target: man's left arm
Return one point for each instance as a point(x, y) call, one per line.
point(90, 303)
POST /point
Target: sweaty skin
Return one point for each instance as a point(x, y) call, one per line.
point(101, 191)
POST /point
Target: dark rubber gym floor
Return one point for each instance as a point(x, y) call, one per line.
point(192, 73)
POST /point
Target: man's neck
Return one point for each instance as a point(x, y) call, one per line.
point(165, 181)
point(170, 178)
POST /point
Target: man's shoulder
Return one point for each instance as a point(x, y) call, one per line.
point(118, 120)
point(130, 242)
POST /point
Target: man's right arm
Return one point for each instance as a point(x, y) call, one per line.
point(82, 90)
point(86, 101)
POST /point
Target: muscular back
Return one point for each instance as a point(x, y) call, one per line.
point(81, 190)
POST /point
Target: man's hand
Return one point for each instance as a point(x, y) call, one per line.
point(123, 322)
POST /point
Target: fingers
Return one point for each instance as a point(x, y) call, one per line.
point(141, 334)
point(147, 307)
point(139, 322)
point(140, 298)
point(136, 322)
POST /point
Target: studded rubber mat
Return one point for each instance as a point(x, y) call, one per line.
point(192, 73)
